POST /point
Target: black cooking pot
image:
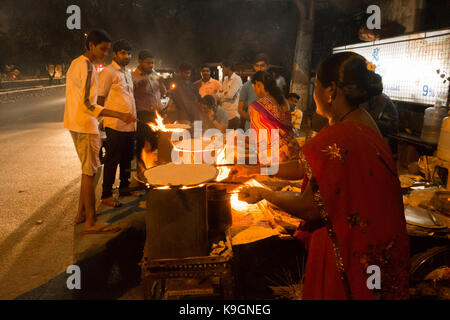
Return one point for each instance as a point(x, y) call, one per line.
point(219, 208)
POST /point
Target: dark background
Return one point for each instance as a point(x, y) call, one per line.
point(34, 33)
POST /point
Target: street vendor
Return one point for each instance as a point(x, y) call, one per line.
point(351, 201)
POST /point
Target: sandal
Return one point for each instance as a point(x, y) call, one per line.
point(111, 202)
point(107, 228)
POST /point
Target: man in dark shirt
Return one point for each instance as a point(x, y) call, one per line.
point(183, 97)
point(385, 114)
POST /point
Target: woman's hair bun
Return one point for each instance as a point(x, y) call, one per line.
point(351, 73)
point(270, 85)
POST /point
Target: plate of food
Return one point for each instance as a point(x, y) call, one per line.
point(423, 218)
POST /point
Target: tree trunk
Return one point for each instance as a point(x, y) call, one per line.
point(303, 49)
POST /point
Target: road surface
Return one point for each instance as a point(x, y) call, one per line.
point(40, 178)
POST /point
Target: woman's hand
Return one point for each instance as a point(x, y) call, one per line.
point(252, 195)
point(240, 170)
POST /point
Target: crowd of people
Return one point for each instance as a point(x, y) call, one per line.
point(126, 101)
point(351, 201)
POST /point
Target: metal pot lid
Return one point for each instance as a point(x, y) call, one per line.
point(423, 218)
point(172, 174)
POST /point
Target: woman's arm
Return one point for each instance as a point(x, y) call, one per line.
point(297, 204)
point(289, 170)
point(219, 125)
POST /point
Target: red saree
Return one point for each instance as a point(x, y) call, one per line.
point(266, 115)
point(361, 207)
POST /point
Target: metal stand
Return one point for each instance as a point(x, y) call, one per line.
point(207, 276)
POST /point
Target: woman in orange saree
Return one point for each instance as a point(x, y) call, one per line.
point(351, 203)
point(271, 112)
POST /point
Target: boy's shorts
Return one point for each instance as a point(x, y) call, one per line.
point(88, 148)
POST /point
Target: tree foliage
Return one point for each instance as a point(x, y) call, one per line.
point(175, 30)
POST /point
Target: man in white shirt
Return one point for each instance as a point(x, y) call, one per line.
point(207, 85)
point(115, 92)
point(229, 94)
point(80, 118)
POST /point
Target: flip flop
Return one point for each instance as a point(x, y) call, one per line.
point(107, 228)
point(115, 204)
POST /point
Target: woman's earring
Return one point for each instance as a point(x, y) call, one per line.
point(330, 100)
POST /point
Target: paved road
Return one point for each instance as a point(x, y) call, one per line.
point(40, 177)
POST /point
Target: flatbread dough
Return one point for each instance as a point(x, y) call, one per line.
point(180, 174)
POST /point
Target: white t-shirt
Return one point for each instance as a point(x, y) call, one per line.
point(229, 95)
point(81, 110)
point(116, 85)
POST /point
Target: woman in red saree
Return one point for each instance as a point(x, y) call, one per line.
point(271, 111)
point(351, 202)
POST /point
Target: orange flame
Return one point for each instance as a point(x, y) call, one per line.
point(223, 171)
point(239, 205)
point(160, 126)
point(149, 158)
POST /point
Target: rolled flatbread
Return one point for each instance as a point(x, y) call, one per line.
point(180, 174)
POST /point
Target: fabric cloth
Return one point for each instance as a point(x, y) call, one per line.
point(229, 96)
point(116, 85)
point(81, 111)
point(363, 224)
point(119, 151)
point(210, 87)
point(265, 115)
point(185, 98)
point(88, 149)
point(148, 91)
point(249, 96)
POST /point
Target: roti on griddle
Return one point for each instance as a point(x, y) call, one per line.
point(180, 174)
